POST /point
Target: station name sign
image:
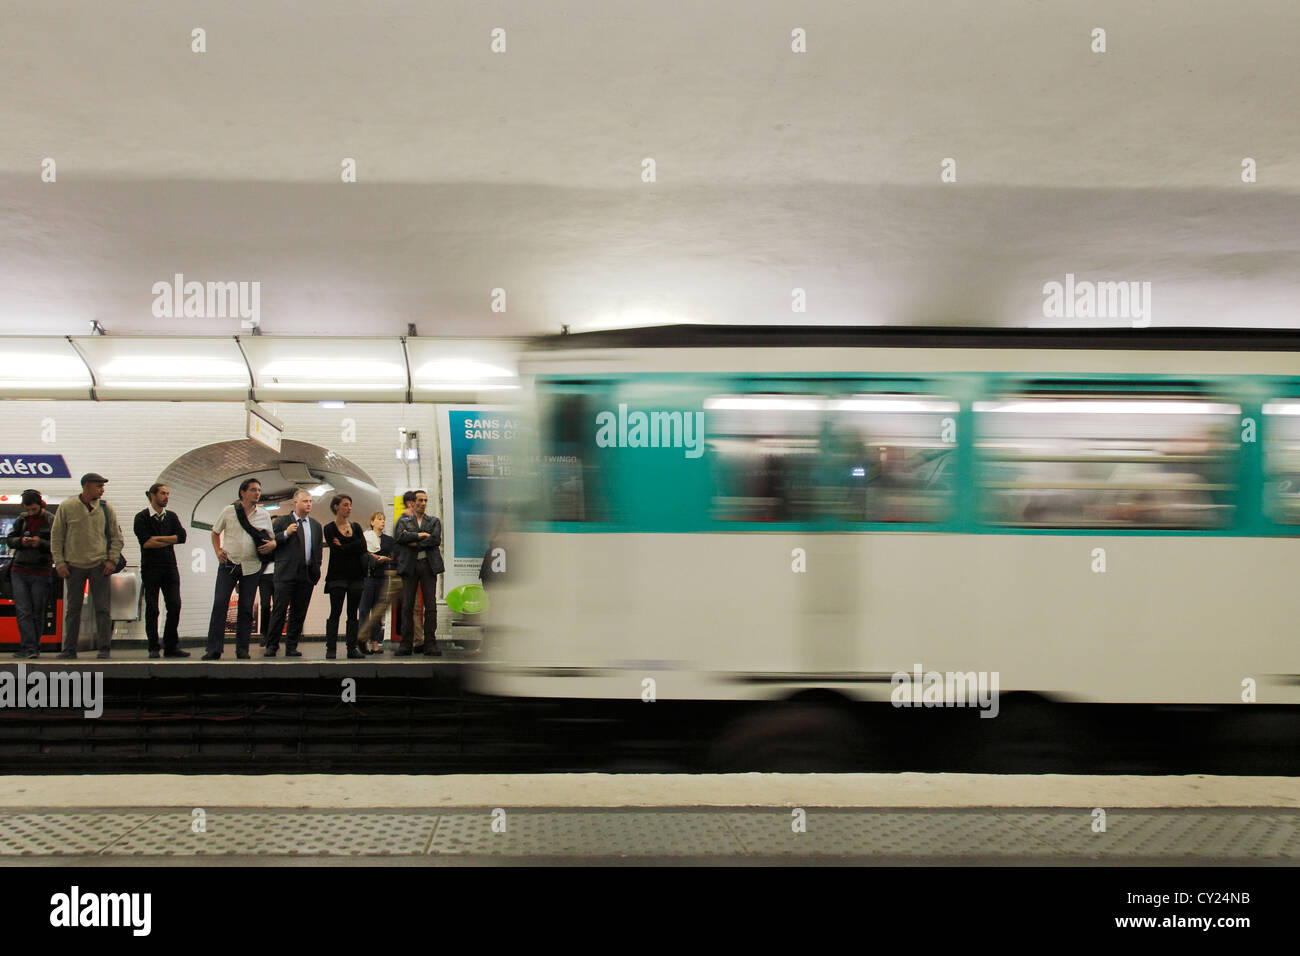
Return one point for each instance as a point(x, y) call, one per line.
point(34, 466)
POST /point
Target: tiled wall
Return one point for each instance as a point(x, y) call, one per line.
point(132, 443)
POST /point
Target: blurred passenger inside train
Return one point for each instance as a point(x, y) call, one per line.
point(382, 584)
point(298, 553)
point(1110, 462)
point(346, 577)
point(243, 540)
point(86, 546)
point(856, 458)
point(31, 573)
point(159, 531)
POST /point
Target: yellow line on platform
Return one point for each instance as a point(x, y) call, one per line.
point(917, 790)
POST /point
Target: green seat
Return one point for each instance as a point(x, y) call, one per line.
point(468, 599)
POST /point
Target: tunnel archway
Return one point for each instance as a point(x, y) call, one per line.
point(206, 479)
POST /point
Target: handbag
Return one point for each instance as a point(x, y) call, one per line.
point(121, 558)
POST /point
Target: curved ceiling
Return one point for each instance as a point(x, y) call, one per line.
point(521, 171)
point(205, 475)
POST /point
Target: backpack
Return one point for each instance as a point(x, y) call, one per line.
point(121, 558)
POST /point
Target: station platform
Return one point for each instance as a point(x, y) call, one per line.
point(133, 662)
point(885, 819)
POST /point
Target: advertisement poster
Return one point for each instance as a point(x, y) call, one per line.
point(477, 453)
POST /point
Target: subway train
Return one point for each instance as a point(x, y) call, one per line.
point(836, 515)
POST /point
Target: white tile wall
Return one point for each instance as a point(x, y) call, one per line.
point(132, 443)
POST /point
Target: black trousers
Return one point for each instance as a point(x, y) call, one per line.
point(352, 592)
point(427, 582)
point(168, 581)
point(290, 603)
point(226, 585)
point(266, 588)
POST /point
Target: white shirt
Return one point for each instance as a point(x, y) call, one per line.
point(372, 541)
point(304, 525)
point(236, 541)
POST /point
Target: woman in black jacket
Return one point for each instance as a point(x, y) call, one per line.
point(346, 576)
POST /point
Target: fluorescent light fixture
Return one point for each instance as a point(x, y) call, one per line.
point(346, 373)
point(458, 370)
point(1092, 407)
point(46, 368)
point(320, 490)
point(150, 371)
point(464, 387)
point(332, 404)
point(894, 403)
point(763, 403)
point(171, 383)
point(1282, 408)
point(335, 385)
point(361, 367)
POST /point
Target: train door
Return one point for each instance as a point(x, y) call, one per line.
point(887, 483)
point(792, 588)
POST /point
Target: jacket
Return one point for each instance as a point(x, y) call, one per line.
point(406, 532)
point(387, 549)
point(290, 561)
point(25, 556)
point(347, 557)
point(77, 538)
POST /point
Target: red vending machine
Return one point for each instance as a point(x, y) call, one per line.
point(11, 507)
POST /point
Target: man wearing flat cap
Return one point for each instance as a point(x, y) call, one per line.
point(85, 543)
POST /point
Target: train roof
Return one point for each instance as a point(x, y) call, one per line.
point(1198, 339)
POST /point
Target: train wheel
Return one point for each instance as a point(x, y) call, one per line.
point(791, 737)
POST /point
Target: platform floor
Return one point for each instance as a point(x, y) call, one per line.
point(858, 818)
point(680, 834)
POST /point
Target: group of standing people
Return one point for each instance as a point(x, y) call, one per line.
point(82, 543)
point(367, 569)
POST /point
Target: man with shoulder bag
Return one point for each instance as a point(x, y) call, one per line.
point(241, 537)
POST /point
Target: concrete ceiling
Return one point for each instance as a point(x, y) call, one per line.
point(522, 170)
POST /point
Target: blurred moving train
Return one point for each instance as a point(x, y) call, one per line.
point(1103, 517)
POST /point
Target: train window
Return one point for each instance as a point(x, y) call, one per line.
point(891, 457)
point(764, 450)
point(1108, 461)
point(1282, 461)
point(569, 484)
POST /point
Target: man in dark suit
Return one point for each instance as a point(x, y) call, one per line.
point(297, 569)
point(419, 562)
point(159, 531)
